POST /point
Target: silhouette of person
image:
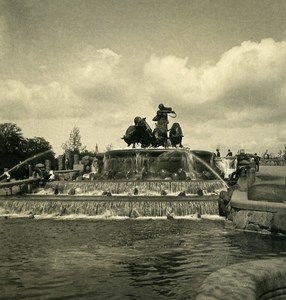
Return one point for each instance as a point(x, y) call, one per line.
point(217, 153)
point(7, 176)
point(229, 153)
point(162, 117)
point(67, 164)
point(162, 120)
point(52, 175)
point(256, 160)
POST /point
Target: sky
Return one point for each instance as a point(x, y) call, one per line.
point(97, 64)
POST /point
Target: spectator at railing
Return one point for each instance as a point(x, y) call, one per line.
point(229, 153)
point(256, 159)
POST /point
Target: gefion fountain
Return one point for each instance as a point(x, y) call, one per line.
point(152, 180)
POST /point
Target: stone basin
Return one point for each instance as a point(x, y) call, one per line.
point(267, 192)
point(270, 185)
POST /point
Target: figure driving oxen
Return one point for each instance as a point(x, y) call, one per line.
point(161, 130)
point(142, 133)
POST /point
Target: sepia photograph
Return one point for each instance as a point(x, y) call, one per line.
point(142, 149)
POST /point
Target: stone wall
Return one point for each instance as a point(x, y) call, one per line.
point(261, 221)
point(256, 215)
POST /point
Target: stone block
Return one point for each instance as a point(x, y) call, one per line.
point(242, 184)
point(261, 218)
point(228, 224)
point(279, 223)
point(252, 227)
point(231, 214)
point(78, 167)
point(241, 218)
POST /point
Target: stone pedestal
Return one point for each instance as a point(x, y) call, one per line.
point(47, 165)
point(76, 159)
point(60, 162)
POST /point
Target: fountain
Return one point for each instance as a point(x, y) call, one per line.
point(150, 180)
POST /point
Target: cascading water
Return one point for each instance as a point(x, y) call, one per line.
point(227, 165)
point(126, 206)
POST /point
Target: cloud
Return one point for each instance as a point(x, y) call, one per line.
point(238, 101)
point(96, 87)
point(3, 28)
point(247, 84)
point(281, 134)
point(107, 88)
point(19, 101)
point(98, 79)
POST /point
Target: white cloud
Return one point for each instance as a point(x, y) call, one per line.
point(281, 133)
point(238, 101)
point(248, 83)
point(3, 28)
point(98, 78)
point(19, 101)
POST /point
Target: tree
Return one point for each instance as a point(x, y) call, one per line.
point(15, 148)
point(74, 143)
point(10, 138)
point(11, 142)
point(36, 145)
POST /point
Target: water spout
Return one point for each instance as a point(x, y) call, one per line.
point(211, 170)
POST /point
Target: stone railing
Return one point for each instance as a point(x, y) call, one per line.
point(273, 162)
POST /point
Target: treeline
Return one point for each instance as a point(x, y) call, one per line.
point(14, 147)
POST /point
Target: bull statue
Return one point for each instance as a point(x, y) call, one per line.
point(130, 136)
point(160, 137)
point(176, 135)
point(139, 133)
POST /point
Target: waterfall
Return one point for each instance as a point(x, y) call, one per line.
point(97, 187)
point(114, 206)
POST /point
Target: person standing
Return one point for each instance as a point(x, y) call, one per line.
point(7, 176)
point(52, 176)
point(67, 164)
point(217, 153)
point(229, 153)
point(256, 160)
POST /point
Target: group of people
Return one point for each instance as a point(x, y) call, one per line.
point(229, 153)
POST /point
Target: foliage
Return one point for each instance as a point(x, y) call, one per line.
point(74, 143)
point(15, 148)
point(88, 153)
point(109, 147)
point(11, 138)
point(37, 145)
point(11, 142)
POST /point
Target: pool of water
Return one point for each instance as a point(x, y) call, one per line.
point(120, 259)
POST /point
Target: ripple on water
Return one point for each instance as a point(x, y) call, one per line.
point(120, 259)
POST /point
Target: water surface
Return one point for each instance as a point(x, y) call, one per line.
point(120, 259)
